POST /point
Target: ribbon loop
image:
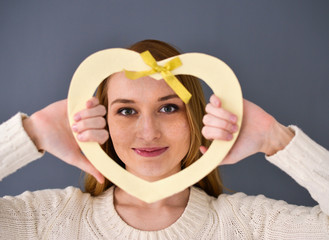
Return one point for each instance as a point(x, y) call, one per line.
point(170, 79)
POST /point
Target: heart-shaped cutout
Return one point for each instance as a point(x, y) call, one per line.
point(100, 65)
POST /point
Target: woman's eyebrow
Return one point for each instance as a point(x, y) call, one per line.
point(167, 97)
point(122, 100)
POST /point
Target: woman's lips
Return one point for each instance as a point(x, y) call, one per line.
point(150, 152)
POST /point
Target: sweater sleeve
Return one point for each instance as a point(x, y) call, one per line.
point(308, 164)
point(16, 147)
point(41, 214)
point(264, 218)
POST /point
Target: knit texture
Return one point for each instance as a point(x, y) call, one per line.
point(71, 214)
point(16, 147)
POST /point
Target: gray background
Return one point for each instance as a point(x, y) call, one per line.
point(278, 50)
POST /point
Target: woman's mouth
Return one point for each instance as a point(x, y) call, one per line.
point(150, 152)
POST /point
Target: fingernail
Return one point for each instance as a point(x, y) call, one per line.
point(216, 101)
point(89, 104)
point(74, 128)
point(229, 137)
point(234, 128)
point(233, 118)
point(80, 137)
point(77, 117)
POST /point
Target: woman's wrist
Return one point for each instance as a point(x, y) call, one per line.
point(30, 128)
point(278, 139)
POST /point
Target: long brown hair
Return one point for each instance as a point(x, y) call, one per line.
point(195, 110)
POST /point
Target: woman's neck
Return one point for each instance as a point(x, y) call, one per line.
point(145, 216)
point(178, 199)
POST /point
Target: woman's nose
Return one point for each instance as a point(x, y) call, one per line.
point(147, 128)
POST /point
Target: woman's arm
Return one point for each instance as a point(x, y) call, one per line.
point(16, 147)
point(25, 138)
point(293, 152)
point(260, 132)
point(264, 218)
point(32, 215)
point(286, 147)
point(299, 156)
point(308, 164)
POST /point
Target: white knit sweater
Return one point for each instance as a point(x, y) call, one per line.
point(71, 214)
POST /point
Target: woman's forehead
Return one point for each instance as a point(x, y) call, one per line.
point(146, 87)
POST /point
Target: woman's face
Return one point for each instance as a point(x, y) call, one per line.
point(148, 126)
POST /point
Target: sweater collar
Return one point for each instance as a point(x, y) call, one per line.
point(111, 226)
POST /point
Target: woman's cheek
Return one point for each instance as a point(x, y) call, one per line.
point(122, 140)
point(119, 131)
point(179, 129)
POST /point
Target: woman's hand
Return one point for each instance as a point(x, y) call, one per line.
point(50, 130)
point(260, 132)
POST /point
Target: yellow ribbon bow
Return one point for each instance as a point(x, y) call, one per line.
point(170, 79)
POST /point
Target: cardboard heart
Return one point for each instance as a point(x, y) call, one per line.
point(97, 67)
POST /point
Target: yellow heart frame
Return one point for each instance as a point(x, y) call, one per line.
point(98, 66)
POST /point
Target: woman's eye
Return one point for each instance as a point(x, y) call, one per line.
point(126, 111)
point(169, 108)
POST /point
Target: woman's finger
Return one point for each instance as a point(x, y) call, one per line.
point(203, 149)
point(92, 102)
point(93, 135)
point(213, 133)
point(97, 111)
point(89, 123)
point(215, 101)
point(213, 121)
point(221, 113)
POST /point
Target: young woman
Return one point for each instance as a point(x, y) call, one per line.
point(147, 128)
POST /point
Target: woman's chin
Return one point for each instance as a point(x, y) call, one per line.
point(152, 175)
